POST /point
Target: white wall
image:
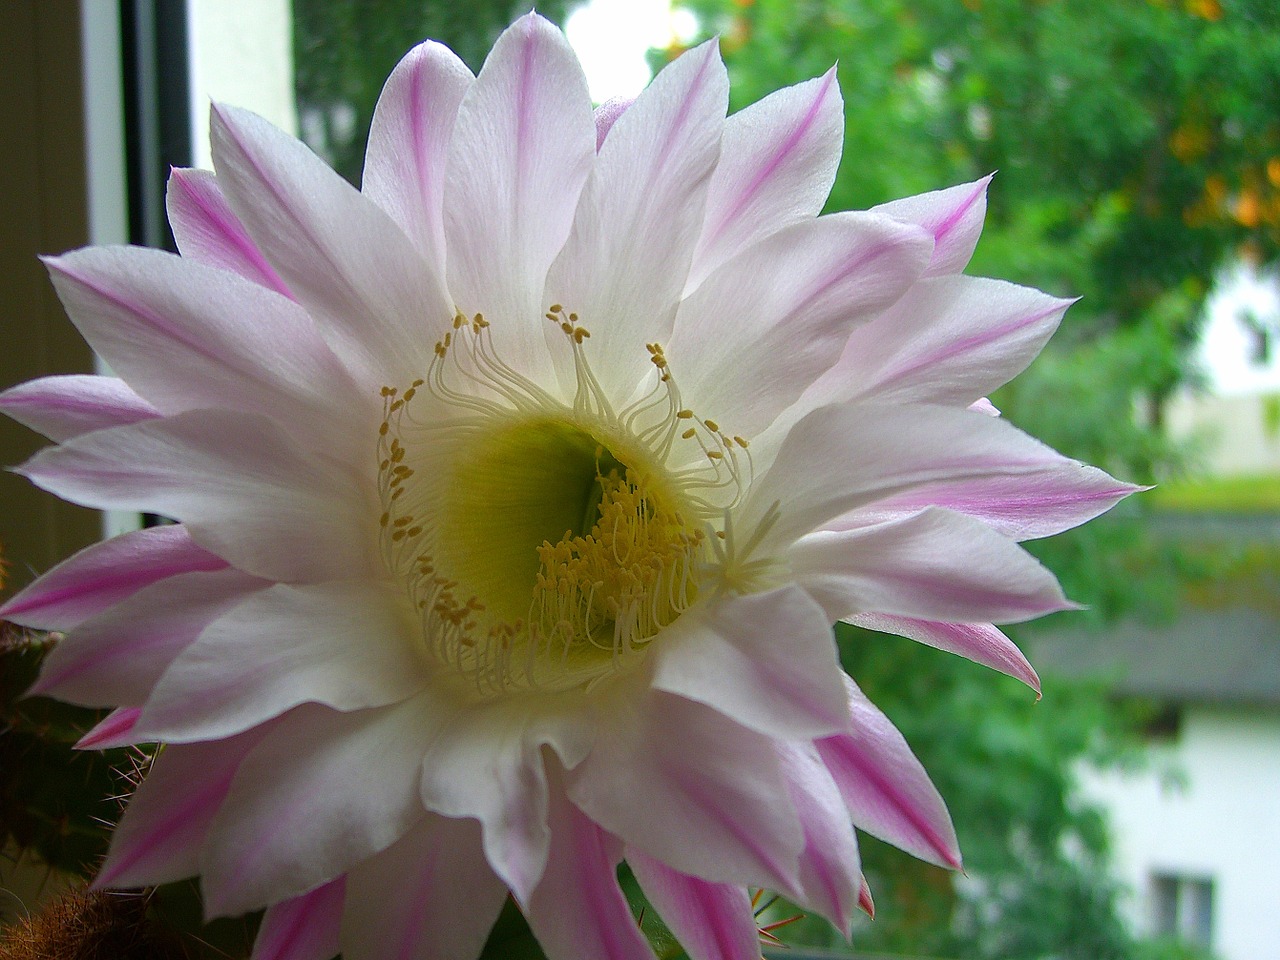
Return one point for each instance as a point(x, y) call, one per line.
point(242, 54)
point(1207, 805)
point(1225, 351)
point(1233, 434)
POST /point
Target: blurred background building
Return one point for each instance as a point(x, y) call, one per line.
point(1196, 824)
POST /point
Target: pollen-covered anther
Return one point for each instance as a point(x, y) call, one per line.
point(617, 585)
point(601, 590)
point(568, 323)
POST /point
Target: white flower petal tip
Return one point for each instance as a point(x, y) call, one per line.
point(63, 407)
point(113, 731)
point(607, 114)
point(712, 921)
point(886, 789)
point(517, 493)
point(953, 216)
point(304, 928)
point(865, 903)
point(933, 565)
point(106, 574)
point(982, 643)
point(409, 144)
point(206, 229)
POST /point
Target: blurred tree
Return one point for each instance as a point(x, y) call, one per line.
point(345, 49)
point(1137, 146)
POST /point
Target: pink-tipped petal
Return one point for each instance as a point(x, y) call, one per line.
point(777, 165)
point(114, 730)
point(431, 895)
point(788, 304)
point(303, 928)
point(949, 340)
point(409, 144)
point(239, 482)
point(711, 921)
point(624, 264)
point(522, 147)
point(885, 788)
point(375, 300)
point(1058, 495)
point(850, 459)
point(710, 790)
point(984, 405)
point(344, 644)
point(954, 216)
point(766, 660)
point(175, 329)
point(207, 230)
point(118, 656)
point(578, 911)
point(607, 114)
point(106, 573)
point(292, 821)
point(63, 407)
point(980, 642)
point(489, 763)
point(865, 903)
point(158, 839)
point(935, 565)
point(830, 868)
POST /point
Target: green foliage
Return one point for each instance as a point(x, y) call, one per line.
point(1034, 857)
point(1137, 146)
point(1236, 494)
point(345, 49)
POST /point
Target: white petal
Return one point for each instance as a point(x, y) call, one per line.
point(118, 656)
point(980, 642)
point(711, 921)
point(429, 896)
point(1058, 495)
point(159, 837)
point(787, 307)
point(626, 260)
point(409, 143)
point(830, 868)
point(106, 573)
point(578, 911)
point(935, 565)
point(954, 216)
point(187, 336)
point(841, 458)
point(348, 645)
point(206, 229)
point(766, 660)
point(320, 793)
point(710, 791)
point(885, 788)
point(302, 928)
point(777, 165)
point(607, 114)
point(62, 407)
point(114, 730)
point(522, 147)
point(949, 340)
point(244, 489)
point(375, 300)
point(488, 762)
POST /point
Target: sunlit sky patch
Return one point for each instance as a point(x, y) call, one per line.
point(611, 38)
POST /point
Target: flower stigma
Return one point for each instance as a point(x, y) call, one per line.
point(545, 542)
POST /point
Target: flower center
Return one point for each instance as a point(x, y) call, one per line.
point(544, 543)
